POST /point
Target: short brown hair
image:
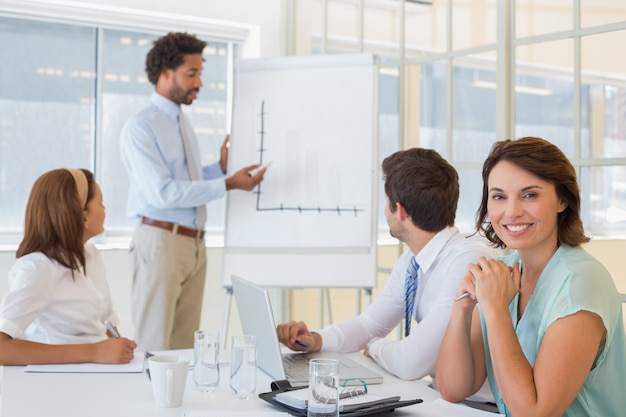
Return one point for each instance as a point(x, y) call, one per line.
point(54, 222)
point(546, 161)
point(425, 184)
point(167, 53)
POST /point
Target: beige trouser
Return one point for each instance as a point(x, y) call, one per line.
point(169, 272)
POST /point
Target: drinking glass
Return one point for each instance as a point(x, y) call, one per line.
point(323, 388)
point(206, 354)
point(243, 366)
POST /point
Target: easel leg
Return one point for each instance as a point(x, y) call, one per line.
point(321, 308)
point(229, 296)
point(368, 299)
point(368, 296)
point(329, 313)
point(324, 302)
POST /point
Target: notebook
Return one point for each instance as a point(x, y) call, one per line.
point(257, 319)
point(135, 365)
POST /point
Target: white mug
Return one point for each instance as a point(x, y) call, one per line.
point(169, 376)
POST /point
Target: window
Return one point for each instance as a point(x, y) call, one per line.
point(64, 97)
point(444, 65)
point(46, 107)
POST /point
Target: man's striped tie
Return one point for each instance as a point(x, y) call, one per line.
point(410, 287)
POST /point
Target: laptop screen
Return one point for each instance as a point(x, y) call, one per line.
point(257, 319)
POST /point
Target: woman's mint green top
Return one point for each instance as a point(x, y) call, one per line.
point(572, 281)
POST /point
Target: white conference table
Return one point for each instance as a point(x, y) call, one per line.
point(130, 394)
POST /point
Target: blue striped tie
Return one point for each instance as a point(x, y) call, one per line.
point(410, 287)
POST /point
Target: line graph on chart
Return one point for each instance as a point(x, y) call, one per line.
point(282, 206)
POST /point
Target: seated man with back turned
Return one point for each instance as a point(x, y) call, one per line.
point(422, 191)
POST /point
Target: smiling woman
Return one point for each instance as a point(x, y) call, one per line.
point(551, 340)
point(521, 209)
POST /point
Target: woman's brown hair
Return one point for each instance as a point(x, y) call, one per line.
point(546, 161)
point(54, 223)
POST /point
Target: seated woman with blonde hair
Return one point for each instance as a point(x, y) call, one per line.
point(58, 297)
point(544, 323)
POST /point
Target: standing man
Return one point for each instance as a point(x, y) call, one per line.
point(422, 191)
point(169, 190)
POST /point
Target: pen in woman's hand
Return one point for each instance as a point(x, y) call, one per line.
point(462, 296)
point(112, 329)
point(466, 294)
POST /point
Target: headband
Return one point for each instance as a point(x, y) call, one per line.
point(81, 185)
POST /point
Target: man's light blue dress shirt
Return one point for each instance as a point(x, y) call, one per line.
point(154, 156)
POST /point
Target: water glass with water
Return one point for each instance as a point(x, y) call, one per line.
point(323, 388)
point(243, 366)
point(206, 354)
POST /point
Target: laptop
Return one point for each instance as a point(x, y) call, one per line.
point(257, 319)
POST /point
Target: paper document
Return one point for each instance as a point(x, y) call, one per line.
point(136, 365)
point(178, 352)
point(205, 413)
point(443, 408)
point(299, 398)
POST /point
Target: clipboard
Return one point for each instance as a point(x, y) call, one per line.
point(284, 386)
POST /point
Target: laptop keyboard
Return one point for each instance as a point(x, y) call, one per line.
point(297, 366)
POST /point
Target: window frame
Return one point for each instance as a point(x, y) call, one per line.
point(237, 36)
point(503, 50)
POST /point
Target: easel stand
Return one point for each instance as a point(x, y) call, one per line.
point(229, 296)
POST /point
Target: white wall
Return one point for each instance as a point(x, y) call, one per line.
point(266, 14)
point(262, 19)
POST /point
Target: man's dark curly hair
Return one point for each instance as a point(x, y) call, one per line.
point(167, 53)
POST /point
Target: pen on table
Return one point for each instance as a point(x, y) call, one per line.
point(148, 355)
point(111, 328)
point(299, 343)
